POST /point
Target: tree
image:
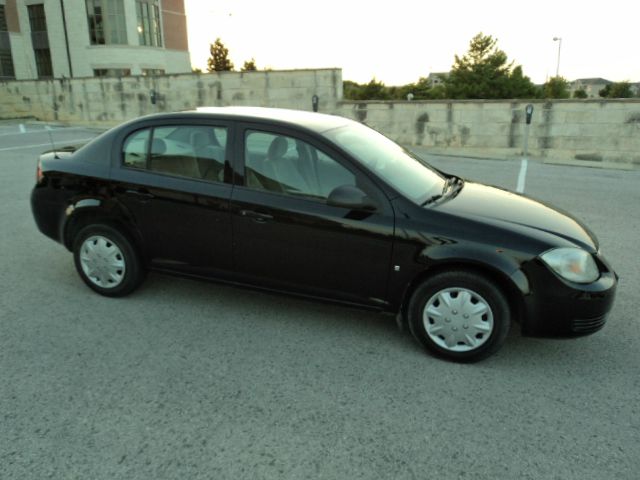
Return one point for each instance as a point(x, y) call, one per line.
point(249, 66)
point(484, 72)
point(556, 87)
point(621, 90)
point(351, 90)
point(422, 90)
point(617, 90)
point(196, 70)
point(374, 90)
point(520, 86)
point(580, 93)
point(219, 59)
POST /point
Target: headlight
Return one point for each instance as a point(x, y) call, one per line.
point(572, 264)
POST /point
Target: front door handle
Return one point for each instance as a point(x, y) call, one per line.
point(257, 216)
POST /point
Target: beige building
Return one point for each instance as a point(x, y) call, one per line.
point(591, 86)
point(86, 38)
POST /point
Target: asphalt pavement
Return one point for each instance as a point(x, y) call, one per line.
point(193, 380)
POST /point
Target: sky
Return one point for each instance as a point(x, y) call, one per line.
point(398, 42)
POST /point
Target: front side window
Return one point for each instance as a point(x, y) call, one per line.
point(400, 168)
point(149, 30)
point(192, 151)
point(282, 164)
point(107, 23)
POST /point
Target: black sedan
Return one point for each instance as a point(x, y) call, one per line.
point(324, 207)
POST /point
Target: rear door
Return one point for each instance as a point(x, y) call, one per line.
point(172, 179)
point(287, 236)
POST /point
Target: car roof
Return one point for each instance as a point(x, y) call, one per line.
point(317, 122)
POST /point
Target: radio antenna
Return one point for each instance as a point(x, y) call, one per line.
point(46, 125)
point(53, 146)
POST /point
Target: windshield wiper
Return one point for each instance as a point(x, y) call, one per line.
point(431, 199)
point(451, 185)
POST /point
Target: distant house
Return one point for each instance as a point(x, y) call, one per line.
point(591, 86)
point(437, 78)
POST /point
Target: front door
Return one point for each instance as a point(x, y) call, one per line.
point(287, 236)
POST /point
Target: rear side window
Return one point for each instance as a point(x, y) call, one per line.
point(135, 149)
point(193, 151)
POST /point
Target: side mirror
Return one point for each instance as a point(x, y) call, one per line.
point(348, 196)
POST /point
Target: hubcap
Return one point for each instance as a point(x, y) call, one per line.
point(458, 319)
point(102, 261)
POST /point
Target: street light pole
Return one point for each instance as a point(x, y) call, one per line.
point(559, 40)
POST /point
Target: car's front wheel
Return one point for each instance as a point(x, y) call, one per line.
point(459, 315)
point(107, 261)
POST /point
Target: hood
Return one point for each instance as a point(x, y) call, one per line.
point(478, 200)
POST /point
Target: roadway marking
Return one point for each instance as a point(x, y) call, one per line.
point(522, 177)
point(63, 129)
point(22, 128)
point(64, 142)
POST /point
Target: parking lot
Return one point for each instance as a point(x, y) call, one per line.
point(187, 379)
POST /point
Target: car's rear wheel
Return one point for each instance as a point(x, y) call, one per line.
point(107, 261)
point(459, 315)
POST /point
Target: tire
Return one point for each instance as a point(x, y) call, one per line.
point(107, 261)
point(459, 315)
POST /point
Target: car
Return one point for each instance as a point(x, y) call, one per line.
point(324, 207)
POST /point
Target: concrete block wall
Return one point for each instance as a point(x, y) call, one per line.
point(110, 101)
point(596, 132)
point(588, 132)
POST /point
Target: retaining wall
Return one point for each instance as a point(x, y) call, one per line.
point(112, 100)
point(589, 132)
point(592, 132)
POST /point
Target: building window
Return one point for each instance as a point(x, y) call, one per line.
point(6, 60)
point(149, 30)
point(37, 18)
point(40, 40)
point(111, 72)
point(107, 25)
point(6, 65)
point(152, 72)
point(43, 62)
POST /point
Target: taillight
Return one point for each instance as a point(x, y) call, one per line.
point(39, 175)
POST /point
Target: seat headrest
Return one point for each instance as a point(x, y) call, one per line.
point(198, 139)
point(277, 148)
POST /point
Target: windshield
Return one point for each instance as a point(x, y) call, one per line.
point(408, 174)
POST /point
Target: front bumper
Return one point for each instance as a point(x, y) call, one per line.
point(557, 307)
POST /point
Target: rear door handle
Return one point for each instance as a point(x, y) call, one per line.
point(257, 216)
point(144, 195)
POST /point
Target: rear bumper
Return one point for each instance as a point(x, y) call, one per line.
point(556, 307)
point(47, 212)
